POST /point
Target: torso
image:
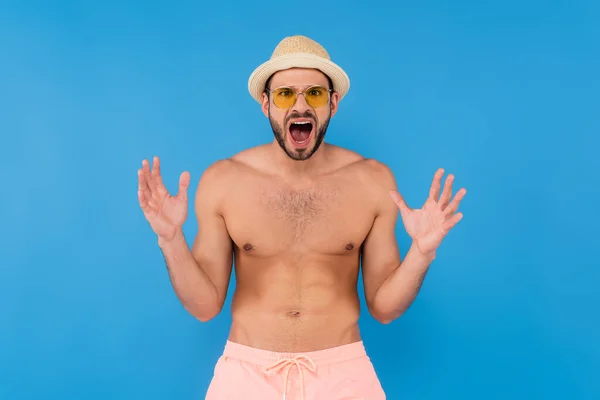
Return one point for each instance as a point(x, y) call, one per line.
point(297, 252)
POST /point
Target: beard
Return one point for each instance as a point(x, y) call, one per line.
point(300, 154)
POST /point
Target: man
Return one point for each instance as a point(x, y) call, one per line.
point(298, 216)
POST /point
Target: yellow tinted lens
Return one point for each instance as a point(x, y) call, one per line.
point(316, 96)
point(284, 97)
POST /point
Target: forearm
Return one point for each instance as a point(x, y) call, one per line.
point(400, 288)
point(192, 285)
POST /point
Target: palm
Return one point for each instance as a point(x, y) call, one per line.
point(165, 213)
point(169, 212)
point(429, 225)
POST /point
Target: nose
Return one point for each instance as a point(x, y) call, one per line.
point(300, 106)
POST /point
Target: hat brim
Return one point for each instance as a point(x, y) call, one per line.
point(258, 78)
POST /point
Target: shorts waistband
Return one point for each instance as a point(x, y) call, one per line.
point(265, 358)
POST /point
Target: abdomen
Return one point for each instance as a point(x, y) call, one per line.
point(289, 306)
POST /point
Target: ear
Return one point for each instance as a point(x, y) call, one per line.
point(265, 104)
point(335, 98)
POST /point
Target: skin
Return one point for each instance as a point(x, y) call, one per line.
point(296, 223)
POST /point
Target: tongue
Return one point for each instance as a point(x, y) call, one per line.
point(300, 132)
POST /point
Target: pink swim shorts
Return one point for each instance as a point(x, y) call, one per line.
point(339, 373)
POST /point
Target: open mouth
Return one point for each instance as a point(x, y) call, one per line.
point(301, 132)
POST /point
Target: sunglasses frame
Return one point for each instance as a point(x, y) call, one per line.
point(298, 93)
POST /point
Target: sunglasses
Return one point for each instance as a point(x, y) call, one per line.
point(285, 97)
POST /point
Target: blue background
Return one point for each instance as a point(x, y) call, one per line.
point(504, 95)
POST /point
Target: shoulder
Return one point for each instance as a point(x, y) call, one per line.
point(377, 172)
point(218, 171)
point(216, 182)
point(341, 156)
point(373, 173)
point(250, 158)
point(377, 180)
point(218, 179)
point(224, 170)
point(368, 169)
point(212, 185)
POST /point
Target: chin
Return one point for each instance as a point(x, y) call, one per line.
point(300, 154)
point(299, 146)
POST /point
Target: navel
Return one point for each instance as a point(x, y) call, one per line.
point(293, 314)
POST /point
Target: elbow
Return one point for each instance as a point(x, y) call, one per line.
point(203, 312)
point(205, 318)
point(384, 320)
point(382, 317)
point(384, 313)
point(204, 315)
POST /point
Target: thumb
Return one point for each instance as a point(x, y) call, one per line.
point(399, 200)
point(184, 183)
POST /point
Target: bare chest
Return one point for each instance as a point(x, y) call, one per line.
point(328, 218)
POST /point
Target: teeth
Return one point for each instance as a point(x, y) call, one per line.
point(301, 122)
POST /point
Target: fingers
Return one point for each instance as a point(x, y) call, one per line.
point(450, 223)
point(184, 183)
point(161, 190)
point(453, 206)
point(147, 177)
point(144, 194)
point(447, 193)
point(434, 191)
point(399, 200)
point(148, 185)
point(156, 171)
point(153, 179)
point(152, 175)
point(151, 190)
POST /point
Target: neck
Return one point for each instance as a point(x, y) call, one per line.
point(299, 168)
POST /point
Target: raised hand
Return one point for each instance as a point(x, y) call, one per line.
point(428, 225)
point(165, 213)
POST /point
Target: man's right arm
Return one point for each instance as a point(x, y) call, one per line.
point(200, 276)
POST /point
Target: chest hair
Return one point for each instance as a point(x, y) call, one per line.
point(301, 209)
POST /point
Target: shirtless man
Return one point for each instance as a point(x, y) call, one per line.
point(298, 216)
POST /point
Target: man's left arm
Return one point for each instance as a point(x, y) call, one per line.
point(392, 284)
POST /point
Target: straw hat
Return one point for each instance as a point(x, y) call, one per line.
point(298, 52)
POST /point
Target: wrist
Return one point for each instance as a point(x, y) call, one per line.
point(424, 257)
point(166, 241)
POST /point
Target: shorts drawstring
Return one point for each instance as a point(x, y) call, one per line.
point(288, 363)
